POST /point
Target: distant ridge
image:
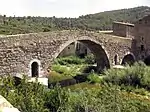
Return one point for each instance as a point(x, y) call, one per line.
point(98, 21)
point(103, 20)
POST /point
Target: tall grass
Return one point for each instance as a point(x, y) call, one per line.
point(69, 60)
point(137, 75)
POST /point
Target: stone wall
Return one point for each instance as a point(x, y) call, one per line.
point(82, 50)
point(69, 50)
point(17, 52)
point(75, 48)
point(130, 31)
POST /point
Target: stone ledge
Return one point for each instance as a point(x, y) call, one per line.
point(6, 109)
point(5, 106)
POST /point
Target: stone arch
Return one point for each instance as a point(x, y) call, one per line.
point(128, 59)
point(147, 60)
point(95, 47)
point(34, 67)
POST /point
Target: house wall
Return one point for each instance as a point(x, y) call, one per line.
point(123, 29)
point(142, 37)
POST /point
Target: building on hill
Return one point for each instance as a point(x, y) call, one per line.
point(1, 19)
point(140, 33)
point(142, 38)
point(123, 29)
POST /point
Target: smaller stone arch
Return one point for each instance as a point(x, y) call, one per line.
point(34, 68)
point(17, 80)
point(128, 59)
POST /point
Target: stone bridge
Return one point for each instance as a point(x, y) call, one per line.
point(34, 53)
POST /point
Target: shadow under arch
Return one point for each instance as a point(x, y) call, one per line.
point(147, 60)
point(128, 59)
point(17, 80)
point(95, 47)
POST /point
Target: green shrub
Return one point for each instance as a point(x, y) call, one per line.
point(137, 75)
point(56, 77)
point(68, 70)
point(33, 97)
point(60, 69)
point(90, 59)
point(65, 70)
point(136, 90)
point(56, 98)
point(27, 97)
point(94, 78)
point(104, 99)
point(84, 85)
point(69, 60)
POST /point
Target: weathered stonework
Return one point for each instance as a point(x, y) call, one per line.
point(123, 29)
point(142, 38)
point(17, 52)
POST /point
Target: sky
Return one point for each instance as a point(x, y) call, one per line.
point(64, 8)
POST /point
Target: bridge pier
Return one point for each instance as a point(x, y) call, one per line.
point(102, 64)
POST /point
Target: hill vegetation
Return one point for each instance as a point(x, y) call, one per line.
point(98, 21)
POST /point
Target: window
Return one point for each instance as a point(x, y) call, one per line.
point(72, 43)
point(140, 21)
point(35, 69)
point(142, 47)
point(85, 51)
point(143, 56)
point(142, 38)
point(78, 46)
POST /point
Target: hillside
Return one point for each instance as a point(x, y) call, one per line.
point(98, 21)
point(104, 20)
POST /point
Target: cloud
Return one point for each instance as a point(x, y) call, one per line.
point(51, 1)
point(105, 5)
point(64, 8)
point(11, 7)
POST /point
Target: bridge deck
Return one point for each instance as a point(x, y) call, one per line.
point(66, 32)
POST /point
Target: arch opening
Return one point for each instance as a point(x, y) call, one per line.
point(100, 54)
point(116, 59)
point(34, 69)
point(17, 80)
point(81, 50)
point(95, 48)
point(128, 59)
point(147, 60)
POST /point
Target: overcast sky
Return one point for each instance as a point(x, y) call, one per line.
point(64, 8)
